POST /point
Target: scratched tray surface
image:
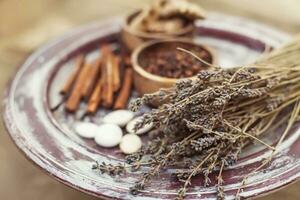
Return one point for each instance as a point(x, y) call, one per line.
point(48, 139)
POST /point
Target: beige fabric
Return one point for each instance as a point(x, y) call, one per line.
point(26, 24)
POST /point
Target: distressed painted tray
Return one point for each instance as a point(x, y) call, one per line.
point(49, 141)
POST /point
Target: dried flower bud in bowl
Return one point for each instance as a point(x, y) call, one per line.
point(163, 19)
point(160, 64)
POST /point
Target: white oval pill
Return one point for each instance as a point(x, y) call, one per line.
point(118, 117)
point(108, 135)
point(130, 143)
point(86, 129)
point(130, 126)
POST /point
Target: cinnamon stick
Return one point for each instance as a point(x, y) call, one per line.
point(66, 89)
point(116, 73)
point(73, 100)
point(127, 61)
point(93, 74)
point(95, 99)
point(107, 74)
point(125, 91)
point(108, 99)
point(104, 80)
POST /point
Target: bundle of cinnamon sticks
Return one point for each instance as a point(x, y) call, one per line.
point(98, 83)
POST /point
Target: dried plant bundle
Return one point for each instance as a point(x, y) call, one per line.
point(206, 122)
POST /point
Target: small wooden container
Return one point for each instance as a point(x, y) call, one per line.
point(146, 82)
point(133, 39)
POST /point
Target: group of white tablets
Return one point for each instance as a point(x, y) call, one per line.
point(110, 133)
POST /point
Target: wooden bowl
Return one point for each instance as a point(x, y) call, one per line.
point(133, 39)
point(146, 82)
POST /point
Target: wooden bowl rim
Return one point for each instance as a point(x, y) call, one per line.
point(140, 70)
point(125, 26)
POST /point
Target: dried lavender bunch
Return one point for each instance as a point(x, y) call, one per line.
point(208, 120)
point(110, 169)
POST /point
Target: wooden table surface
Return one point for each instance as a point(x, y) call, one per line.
point(25, 25)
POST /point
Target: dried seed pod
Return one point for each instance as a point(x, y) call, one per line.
point(166, 16)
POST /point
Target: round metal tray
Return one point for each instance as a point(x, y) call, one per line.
point(48, 140)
